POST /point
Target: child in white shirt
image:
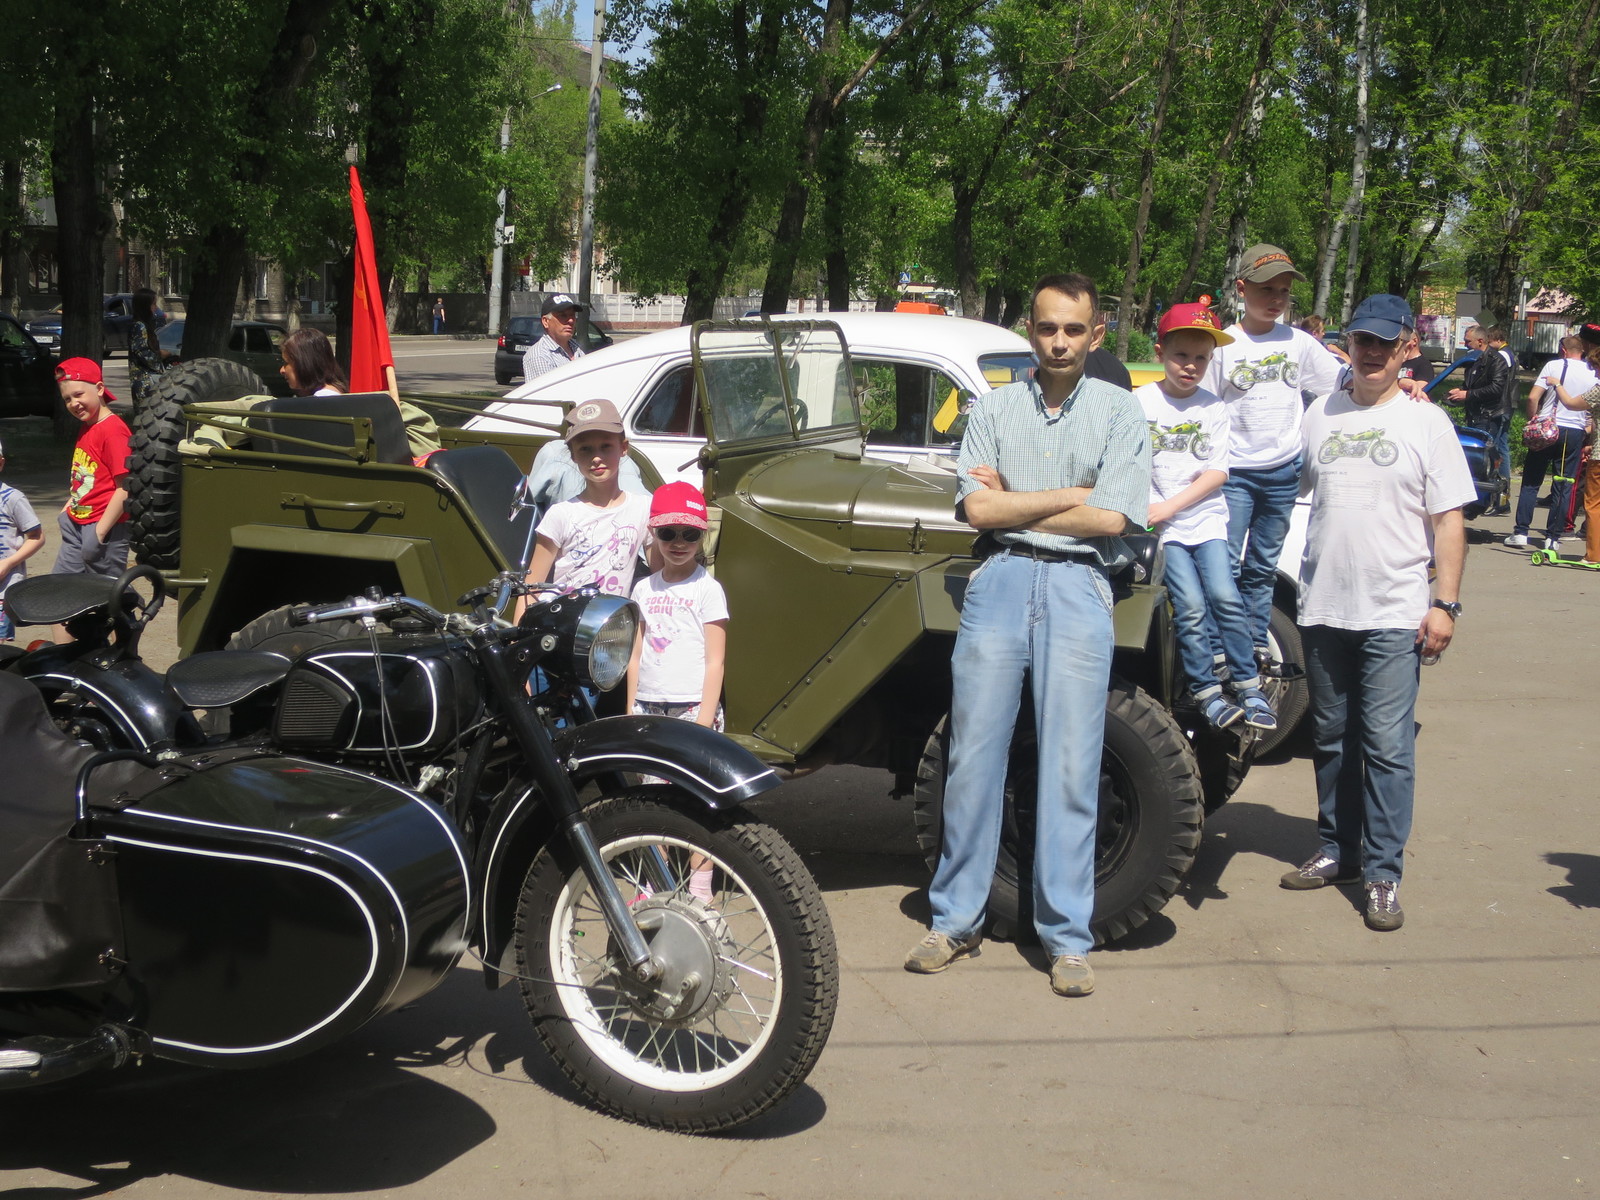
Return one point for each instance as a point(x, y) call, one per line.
point(677, 663)
point(1190, 446)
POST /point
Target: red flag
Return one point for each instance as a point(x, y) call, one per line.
point(370, 355)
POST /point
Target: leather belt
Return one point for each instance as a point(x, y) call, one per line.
point(1039, 554)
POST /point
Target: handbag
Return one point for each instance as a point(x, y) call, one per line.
point(1542, 432)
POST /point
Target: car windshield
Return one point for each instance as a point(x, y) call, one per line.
point(1001, 369)
point(770, 382)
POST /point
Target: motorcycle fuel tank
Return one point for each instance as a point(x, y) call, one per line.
point(342, 696)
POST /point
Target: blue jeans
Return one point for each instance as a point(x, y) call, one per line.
point(1259, 504)
point(1561, 460)
point(1363, 703)
point(1050, 621)
point(1200, 582)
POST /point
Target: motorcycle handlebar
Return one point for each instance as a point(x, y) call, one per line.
point(365, 606)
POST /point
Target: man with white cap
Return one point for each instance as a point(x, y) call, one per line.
point(1387, 480)
point(557, 347)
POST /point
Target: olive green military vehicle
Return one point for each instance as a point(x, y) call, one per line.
point(844, 578)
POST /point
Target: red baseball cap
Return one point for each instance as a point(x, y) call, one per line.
point(82, 370)
point(1191, 316)
point(678, 504)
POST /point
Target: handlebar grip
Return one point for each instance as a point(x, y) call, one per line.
point(300, 614)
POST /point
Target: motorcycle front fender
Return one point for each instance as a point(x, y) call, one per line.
point(714, 769)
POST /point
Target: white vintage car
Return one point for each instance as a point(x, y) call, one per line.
point(915, 373)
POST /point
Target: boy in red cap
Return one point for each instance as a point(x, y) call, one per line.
point(93, 522)
point(1189, 443)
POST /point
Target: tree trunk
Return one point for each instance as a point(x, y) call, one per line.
point(1147, 184)
point(836, 258)
point(1358, 169)
point(1238, 223)
point(81, 223)
point(13, 252)
point(225, 247)
point(1248, 101)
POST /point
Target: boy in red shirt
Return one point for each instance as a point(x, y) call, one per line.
point(93, 522)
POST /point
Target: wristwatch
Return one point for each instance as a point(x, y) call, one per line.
point(1453, 607)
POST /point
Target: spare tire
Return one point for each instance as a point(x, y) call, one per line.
point(154, 472)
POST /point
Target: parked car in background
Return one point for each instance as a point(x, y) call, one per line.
point(116, 317)
point(254, 344)
point(27, 373)
point(523, 332)
point(915, 376)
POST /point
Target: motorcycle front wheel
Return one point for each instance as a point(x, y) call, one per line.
point(750, 982)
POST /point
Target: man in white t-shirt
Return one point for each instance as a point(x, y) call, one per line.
point(1571, 374)
point(1387, 479)
point(1260, 375)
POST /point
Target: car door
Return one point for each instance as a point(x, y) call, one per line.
point(262, 350)
point(917, 405)
point(27, 387)
point(666, 425)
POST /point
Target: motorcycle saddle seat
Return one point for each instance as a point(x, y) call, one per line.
point(52, 599)
point(219, 678)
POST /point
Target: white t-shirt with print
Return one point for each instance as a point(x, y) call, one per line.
point(672, 662)
point(1260, 377)
point(1187, 437)
point(596, 547)
point(1375, 476)
point(1580, 377)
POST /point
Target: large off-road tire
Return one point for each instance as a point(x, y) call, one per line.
point(1150, 816)
point(273, 630)
point(1290, 697)
point(155, 473)
point(755, 974)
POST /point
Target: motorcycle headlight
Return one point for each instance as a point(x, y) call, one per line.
point(602, 644)
point(594, 636)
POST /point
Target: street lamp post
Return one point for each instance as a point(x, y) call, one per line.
point(497, 279)
point(590, 153)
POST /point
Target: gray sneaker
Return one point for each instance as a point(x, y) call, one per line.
point(1318, 871)
point(1383, 906)
point(935, 952)
point(1071, 975)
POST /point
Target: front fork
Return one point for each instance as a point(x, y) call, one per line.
point(562, 797)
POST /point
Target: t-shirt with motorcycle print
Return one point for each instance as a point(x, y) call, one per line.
point(672, 661)
point(1375, 475)
point(1187, 437)
point(1260, 377)
point(596, 547)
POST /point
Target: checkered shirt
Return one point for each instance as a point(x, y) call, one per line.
point(1098, 439)
point(544, 355)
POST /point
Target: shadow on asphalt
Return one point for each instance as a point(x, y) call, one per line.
point(1582, 888)
point(1240, 827)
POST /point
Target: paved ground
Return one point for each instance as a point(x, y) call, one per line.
point(1248, 1042)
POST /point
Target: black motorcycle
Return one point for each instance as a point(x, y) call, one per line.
point(362, 815)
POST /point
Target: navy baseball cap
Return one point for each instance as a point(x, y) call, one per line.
point(556, 302)
point(1383, 316)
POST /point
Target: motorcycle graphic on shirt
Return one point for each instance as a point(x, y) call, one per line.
point(1369, 443)
point(1271, 369)
point(1187, 437)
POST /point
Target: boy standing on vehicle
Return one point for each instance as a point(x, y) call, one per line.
point(1188, 467)
point(1387, 480)
point(1260, 376)
point(1053, 469)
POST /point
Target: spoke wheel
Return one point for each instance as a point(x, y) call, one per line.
point(748, 983)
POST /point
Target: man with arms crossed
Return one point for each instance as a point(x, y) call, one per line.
point(1053, 470)
point(1387, 479)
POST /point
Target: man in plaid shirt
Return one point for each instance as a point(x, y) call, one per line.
point(1053, 470)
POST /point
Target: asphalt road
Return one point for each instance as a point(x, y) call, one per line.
point(1247, 1042)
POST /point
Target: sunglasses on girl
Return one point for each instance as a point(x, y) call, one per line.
point(668, 533)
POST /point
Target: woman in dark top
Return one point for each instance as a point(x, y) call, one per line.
point(146, 358)
point(308, 364)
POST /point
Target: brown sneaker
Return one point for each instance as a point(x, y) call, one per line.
point(935, 952)
point(1318, 871)
point(1071, 975)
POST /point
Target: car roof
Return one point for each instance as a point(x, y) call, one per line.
point(887, 334)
